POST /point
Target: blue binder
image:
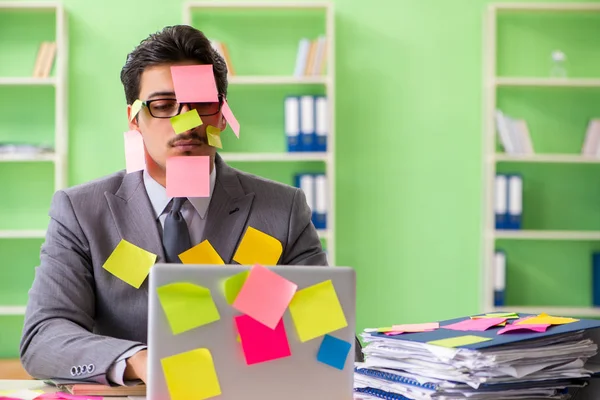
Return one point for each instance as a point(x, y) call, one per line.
point(596, 279)
point(501, 201)
point(321, 123)
point(499, 277)
point(515, 201)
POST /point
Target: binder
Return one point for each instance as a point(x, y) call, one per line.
point(307, 123)
point(321, 128)
point(394, 378)
point(380, 394)
point(596, 279)
point(499, 277)
point(320, 210)
point(515, 201)
point(306, 183)
point(292, 123)
point(501, 201)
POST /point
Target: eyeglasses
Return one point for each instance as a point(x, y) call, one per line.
point(168, 108)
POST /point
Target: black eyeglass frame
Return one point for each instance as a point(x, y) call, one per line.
point(146, 103)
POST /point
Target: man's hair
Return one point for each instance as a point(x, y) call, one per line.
point(172, 44)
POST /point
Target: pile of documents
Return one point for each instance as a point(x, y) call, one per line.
point(491, 356)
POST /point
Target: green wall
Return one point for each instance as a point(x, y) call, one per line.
point(409, 180)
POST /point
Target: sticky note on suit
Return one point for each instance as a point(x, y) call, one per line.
point(187, 306)
point(202, 253)
point(257, 247)
point(186, 121)
point(135, 159)
point(130, 263)
point(188, 176)
point(261, 343)
point(191, 375)
point(316, 311)
point(194, 83)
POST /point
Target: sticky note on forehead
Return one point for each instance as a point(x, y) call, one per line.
point(194, 83)
point(188, 176)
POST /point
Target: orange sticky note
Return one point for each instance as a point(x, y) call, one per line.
point(230, 118)
point(134, 151)
point(544, 318)
point(188, 176)
point(265, 296)
point(202, 253)
point(130, 263)
point(194, 83)
point(213, 134)
point(257, 247)
point(191, 375)
point(186, 121)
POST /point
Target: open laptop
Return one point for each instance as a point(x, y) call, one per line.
point(299, 376)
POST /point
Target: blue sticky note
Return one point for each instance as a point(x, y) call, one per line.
point(333, 351)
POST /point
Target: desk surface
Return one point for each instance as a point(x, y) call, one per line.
point(34, 385)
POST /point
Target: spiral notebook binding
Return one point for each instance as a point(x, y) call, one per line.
point(394, 378)
point(381, 394)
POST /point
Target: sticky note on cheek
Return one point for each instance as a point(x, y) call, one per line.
point(191, 375)
point(213, 134)
point(186, 121)
point(257, 247)
point(231, 119)
point(130, 263)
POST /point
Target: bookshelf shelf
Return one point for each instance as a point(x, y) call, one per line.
point(552, 310)
point(12, 310)
point(547, 158)
point(28, 81)
point(275, 157)
point(16, 157)
point(23, 234)
point(561, 7)
point(548, 82)
point(546, 235)
point(277, 80)
point(254, 5)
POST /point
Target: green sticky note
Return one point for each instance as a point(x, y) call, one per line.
point(187, 306)
point(459, 341)
point(186, 121)
point(233, 285)
point(130, 263)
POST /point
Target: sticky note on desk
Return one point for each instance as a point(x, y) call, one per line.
point(25, 394)
point(194, 83)
point(265, 296)
point(482, 324)
point(459, 341)
point(544, 318)
point(202, 253)
point(135, 159)
point(233, 285)
point(316, 311)
point(188, 176)
point(187, 306)
point(130, 263)
point(191, 375)
point(257, 247)
point(186, 121)
point(261, 343)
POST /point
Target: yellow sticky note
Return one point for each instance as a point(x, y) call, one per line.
point(130, 263)
point(459, 341)
point(213, 135)
point(544, 318)
point(186, 121)
point(135, 109)
point(187, 306)
point(316, 311)
point(191, 375)
point(233, 285)
point(202, 253)
point(257, 247)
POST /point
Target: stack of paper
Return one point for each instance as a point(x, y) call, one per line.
point(492, 356)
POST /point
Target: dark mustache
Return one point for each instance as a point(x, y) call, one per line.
point(194, 135)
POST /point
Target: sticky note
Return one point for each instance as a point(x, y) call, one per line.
point(546, 319)
point(333, 352)
point(429, 326)
point(202, 253)
point(61, 396)
point(186, 121)
point(524, 328)
point(507, 315)
point(233, 285)
point(316, 311)
point(475, 324)
point(261, 343)
point(130, 263)
point(380, 330)
point(213, 134)
point(265, 296)
point(191, 375)
point(187, 306)
point(188, 176)
point(135, 109)
point(24, 394)
point(257, 247)
point(194, 83)
point(134, 151)
point(459, 341)
point(230, 118)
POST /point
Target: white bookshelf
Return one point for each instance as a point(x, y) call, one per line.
point(59, 83)
point(548, 82)
point(546, 158)
point(328, 81)
point(546, 235)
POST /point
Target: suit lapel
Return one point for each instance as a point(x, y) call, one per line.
point(134, 216)
point(228, 211)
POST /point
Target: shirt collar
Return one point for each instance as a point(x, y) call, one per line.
point(159, 199)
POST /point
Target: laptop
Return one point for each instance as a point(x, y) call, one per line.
point(299, 376)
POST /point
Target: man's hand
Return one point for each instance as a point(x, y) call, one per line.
point(137, 366)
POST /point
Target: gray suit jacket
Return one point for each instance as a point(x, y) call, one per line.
point(80, 318)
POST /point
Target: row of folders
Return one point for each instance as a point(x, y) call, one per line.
point(508, 201)
point(314, 187)
point(306, 123)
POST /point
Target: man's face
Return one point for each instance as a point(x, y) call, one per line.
point(160, 139)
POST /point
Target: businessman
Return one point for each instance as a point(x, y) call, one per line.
point(81, 321)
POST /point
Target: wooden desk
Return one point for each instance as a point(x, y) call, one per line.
point(35, 385)
point(12, 369)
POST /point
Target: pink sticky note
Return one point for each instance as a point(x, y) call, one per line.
point(521, 328)
point(65, 396)
point(393, 333)
point(475, 324)
point(194, 83)
point(230, 118)
point(188, 176)
point(259, 342)
point(134, 151)
point(265, 296)
point(430, 326)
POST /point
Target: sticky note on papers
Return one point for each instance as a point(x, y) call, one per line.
point(257, 247)
point(187, 306)
point(233, 285)
point(213, 134)
point(191, 375)
point(194, 83)
point(333, 352)
point(459, 341)
point(265, 296)
point(316, 311)
point(186, 121)
point(481, 324)
point(135, 109)
point(130, 263)
point(230, 118)
point(261, 343)
point(202, 253)
point(507, 315)
point(188, 176)
point(524, 328)
point(134, 151)
point(409, 328)
point(544, 318)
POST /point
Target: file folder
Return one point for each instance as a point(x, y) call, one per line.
point(515, 201)
point(499, 277)
point(307, 123)
point(322, 120)
point(320, 210)
point(501, 201)
point(292, 123)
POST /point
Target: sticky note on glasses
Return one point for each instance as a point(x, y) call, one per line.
point(134, 151)
point(130, 263)
point(194, 83)
point(186, 121)
point(135, 109)
point(188, 176)
point(213, 134)
point(230, 118)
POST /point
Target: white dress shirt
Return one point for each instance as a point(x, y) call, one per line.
point(194, 212)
